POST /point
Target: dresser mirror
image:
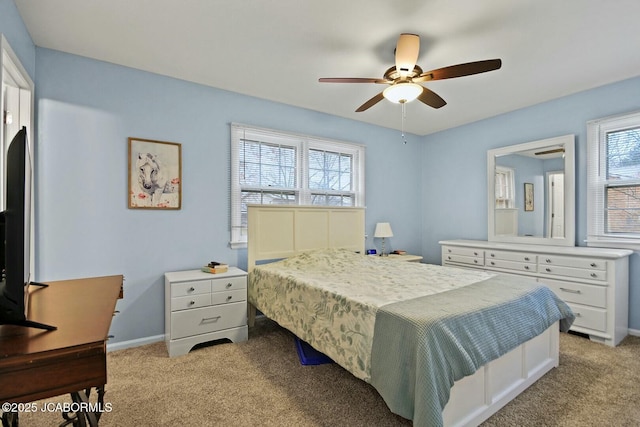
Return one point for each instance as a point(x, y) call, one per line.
point(531, 192)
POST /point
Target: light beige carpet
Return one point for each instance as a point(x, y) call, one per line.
point(261, 382)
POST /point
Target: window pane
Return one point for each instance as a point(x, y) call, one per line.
point(623, 209)
point(267, 165)
point(265, 198)
point(330, 171)
point(623, 154)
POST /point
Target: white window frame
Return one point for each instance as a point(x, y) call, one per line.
point(303, 143)
point(509, 188)
point(597, 131)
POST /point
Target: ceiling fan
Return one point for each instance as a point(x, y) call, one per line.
point(403, 78)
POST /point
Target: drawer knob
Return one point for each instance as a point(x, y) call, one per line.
point(493, 263)
point(526, 258)
point(548, 270)
point(526, 267)
point(475, 261)
point(475, 253)
point(449, 250)
point(229, 298)
point(448, 257)
point(593, 264)
point(191, 302)
point(548, 261)
point(191, 289)
point(594, 275)
point(229, 285)
point(493, 255)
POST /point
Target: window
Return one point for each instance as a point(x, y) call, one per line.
point(613, 174)
point(505, 188)
point(272, 167)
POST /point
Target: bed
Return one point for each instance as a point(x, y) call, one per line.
point(465, 342)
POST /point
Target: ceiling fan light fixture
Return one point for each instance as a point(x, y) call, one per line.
point(400, 93)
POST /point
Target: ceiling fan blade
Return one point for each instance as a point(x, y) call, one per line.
point(407, 50)
point(370, 103)
point(460, 70)
point(351, 80)
point(431, 98)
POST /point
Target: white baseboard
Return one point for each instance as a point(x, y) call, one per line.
point(634, 332)
point(134, 343)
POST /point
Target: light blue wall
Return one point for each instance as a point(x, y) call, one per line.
point(87, 111)
point(14, 30)
point(454, 190)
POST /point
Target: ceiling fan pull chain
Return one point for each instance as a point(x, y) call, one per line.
point(404, 115)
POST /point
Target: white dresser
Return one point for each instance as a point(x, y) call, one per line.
point(201, 307)
point(594, 282)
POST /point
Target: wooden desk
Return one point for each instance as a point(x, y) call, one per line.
point(37, 364)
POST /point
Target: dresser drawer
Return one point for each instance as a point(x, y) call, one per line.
point(579, 293)
point(190, 301)
point(190, 288)
point(208, 319)
point(468, 252)
point(228, 283)
point(579, 273)
point(585, 263)
point(589, 317)
point(511, 265)
point(227, 297)
point(461, 259)
point(511, 256)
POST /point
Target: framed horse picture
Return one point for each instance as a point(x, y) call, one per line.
point(155, 174)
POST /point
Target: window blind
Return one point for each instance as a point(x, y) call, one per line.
point(613, 181)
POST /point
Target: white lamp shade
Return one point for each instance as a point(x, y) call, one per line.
point(383, 229)
point(402, 92)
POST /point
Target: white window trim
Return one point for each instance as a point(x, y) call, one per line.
point(511, 186)
point(596, 176)
point(304, 143)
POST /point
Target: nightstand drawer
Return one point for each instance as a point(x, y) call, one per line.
point(208, 319)
point(190, 288)
point(228, 283)
point(190, 301)
point(227, 297)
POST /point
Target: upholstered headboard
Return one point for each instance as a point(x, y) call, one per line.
point(281, 231)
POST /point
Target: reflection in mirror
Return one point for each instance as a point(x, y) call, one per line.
point(531, 192)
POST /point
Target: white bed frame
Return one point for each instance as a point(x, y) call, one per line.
point(282, 231)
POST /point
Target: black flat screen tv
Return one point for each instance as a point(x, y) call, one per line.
point(15, 236)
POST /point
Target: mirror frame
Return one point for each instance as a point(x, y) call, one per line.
point(568, 143)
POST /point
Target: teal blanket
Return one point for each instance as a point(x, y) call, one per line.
point(422, 346)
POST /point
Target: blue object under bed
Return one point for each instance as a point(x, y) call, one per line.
point(309, 355)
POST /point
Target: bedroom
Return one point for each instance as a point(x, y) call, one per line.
point(87, 109)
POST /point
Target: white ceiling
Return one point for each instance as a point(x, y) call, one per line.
point(277, 49)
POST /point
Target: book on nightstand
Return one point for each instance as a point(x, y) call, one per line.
point(215, 267)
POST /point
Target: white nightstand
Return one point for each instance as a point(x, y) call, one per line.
point(201, 307)
point(405, 257)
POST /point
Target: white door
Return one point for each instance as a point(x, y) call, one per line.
point(555, 204)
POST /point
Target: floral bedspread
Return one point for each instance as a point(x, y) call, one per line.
point(330, 297)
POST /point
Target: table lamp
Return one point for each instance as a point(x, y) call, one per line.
point(383, 229)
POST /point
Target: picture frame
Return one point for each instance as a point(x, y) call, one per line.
point(528, 196)
point(155, 174)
